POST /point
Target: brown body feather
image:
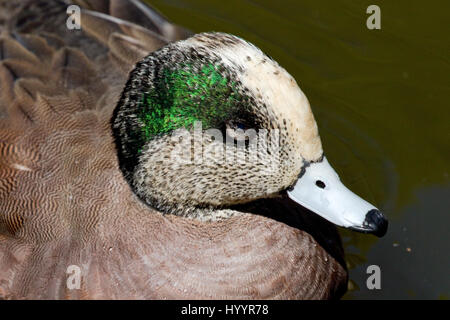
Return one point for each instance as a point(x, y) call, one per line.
point(64, 201)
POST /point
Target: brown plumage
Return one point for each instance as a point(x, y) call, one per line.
point(64, 200)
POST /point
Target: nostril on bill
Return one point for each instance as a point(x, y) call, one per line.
point(320, 184)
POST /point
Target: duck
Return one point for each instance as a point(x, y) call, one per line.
point(129, 167)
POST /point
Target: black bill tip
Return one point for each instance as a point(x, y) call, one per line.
point(374, 223)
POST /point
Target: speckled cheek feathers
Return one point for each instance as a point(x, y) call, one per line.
point(212, 78)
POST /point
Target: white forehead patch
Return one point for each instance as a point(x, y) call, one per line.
point(266, 78)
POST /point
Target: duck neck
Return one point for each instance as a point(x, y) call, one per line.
point(209, 214)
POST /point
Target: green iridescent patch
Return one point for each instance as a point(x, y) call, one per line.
point(185, 95)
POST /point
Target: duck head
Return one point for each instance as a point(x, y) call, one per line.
point(210, 122)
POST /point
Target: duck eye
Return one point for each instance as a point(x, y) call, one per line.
point(240, 126)
point(236, 125)
point(235, 130)
point(320, 184)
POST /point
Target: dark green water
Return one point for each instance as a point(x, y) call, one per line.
point(381, 100)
